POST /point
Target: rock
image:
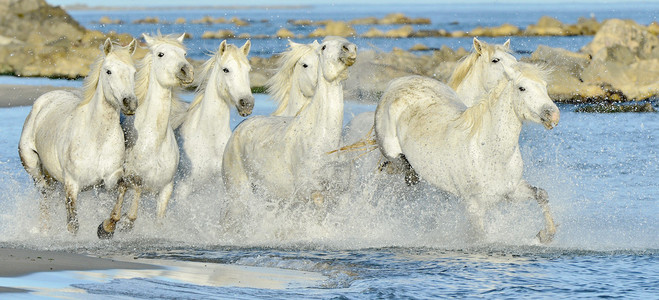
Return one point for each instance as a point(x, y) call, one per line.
point(373, 33)
point(238, 22)
point(106, 20)
point(430, 33)
point(334, 28)
point(626, 33)
point(365, 21)
point(654, 28)
point(503, 30)
point(459, 33)
point(546, 26)
point(220, 34)
point(419, 47)
point(403, 32)
point(399, 18)
point(147, 20)
point(180, 20)
point(284, 33)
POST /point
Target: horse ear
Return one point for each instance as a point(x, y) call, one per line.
point(180, 38)
point(507, 44)
point(245, 48)
point(147, 38)
point(132, 47)
point(107, 46)
point(222, 48)
point(478, 46)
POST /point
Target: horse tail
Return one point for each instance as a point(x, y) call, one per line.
point(365, 145)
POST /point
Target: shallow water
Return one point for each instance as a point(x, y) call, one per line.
point(380, 239)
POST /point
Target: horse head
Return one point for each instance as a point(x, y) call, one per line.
point(305, 71)
point(168, 63)
point(336, 55)
point(531, 100)
point(232, 78)
point(117, 76)
point(491, 61)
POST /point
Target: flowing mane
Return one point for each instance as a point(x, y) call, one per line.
point(91, 81)
point(201, 79)
point(144, 66)
point(468, 62)
point(472, 117)
point(279, 85)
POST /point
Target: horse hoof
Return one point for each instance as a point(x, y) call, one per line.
point(545, 237)
point(72, 227)
point(102, 234)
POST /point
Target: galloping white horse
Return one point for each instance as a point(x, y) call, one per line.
point(470, 152)
point(294, 84)
point(474, 77)
point(286, 156)
point(79, 142)
point(222, 82)
point(152, 153)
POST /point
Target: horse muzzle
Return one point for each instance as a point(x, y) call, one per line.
point(129, 105)
point(550, 118)
point(349, 54)
point(186, 74)
point(245, 106)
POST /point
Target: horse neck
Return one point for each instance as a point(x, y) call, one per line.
point(325, 111)
point(500, 126)
point(213, 107)
point(98, 111)
point(471, 88)
point(296, 100)
point(152, 115)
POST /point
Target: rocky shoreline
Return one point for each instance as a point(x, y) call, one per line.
point(620, 64)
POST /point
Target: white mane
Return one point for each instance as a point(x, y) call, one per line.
point(279, 85)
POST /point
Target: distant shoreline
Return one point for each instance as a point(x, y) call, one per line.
point(82, 7)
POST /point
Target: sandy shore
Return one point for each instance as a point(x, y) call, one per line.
point(19, 262)
point(20, 95)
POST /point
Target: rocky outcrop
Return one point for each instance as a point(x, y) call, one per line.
point(42, 40)
point(621, 63)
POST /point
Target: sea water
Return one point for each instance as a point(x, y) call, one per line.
point(381, 239)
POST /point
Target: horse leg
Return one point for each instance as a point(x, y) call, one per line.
point(132, 212)
point(164, 196)
point(106, 228)
point(71, 190)
point(540, 195)
point(476, 215)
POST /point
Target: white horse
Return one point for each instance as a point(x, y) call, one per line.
point(470, 152)
point(222, 82)
point(294, 83)
point(78, 141)
point(475, 76)
point(287, 156)
point(152, 153)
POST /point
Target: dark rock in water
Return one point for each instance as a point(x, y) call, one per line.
point(616, 108)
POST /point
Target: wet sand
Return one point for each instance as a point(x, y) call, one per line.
point(23, 95)
point(16, 262)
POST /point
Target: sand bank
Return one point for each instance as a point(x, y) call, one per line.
point(23, 95)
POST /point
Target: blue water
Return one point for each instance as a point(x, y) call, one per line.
point(381, 239)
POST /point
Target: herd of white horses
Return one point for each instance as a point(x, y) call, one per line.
point(462, 138)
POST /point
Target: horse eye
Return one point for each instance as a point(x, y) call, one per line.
point(496, 60)
point(323, 47)
point(225, 70)
point(305, 66)
point(160, 54)
point(521, 88)
point(109, 72)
